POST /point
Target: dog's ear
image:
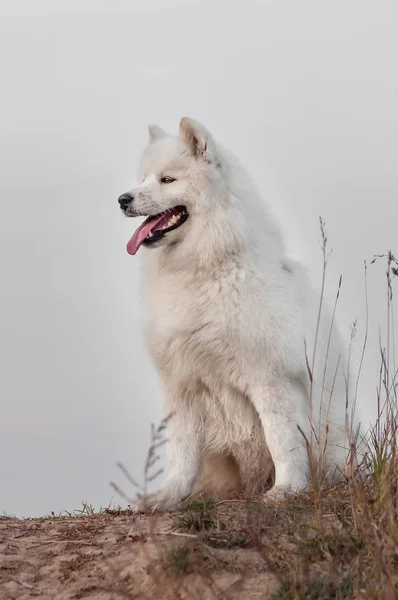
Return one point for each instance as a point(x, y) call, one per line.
point(198, 138)
point(156, 133)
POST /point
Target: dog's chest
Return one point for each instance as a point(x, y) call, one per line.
point(188, 328)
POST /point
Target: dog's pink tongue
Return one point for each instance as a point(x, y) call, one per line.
point(140, 234)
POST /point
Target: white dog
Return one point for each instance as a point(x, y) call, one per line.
point(228, 319)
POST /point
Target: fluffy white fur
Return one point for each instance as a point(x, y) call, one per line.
point(228, 316)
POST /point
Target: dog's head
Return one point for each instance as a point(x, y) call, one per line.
point(181, 179)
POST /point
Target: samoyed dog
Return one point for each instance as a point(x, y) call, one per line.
point(231, 325)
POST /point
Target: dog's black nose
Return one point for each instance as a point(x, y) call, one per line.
point(125, 199)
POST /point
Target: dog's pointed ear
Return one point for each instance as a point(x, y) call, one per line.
point(156, 133)
point(198, 138)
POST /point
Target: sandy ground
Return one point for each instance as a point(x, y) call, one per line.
point(107, 556)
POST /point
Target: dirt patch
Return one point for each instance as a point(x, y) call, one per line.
point(335, 543)
point(109, 556)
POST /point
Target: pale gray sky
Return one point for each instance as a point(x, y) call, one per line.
point(305, 93)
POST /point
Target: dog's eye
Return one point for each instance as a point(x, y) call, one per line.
point(167, 179)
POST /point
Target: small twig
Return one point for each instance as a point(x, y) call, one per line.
point(230, 501)
point(26, 533)
point(176, 533)
point(32, 588)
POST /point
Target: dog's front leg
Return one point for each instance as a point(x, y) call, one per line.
point(183, 451)
point(282, 411)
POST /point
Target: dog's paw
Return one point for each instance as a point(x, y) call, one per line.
point(277, 493)
point(158, 502)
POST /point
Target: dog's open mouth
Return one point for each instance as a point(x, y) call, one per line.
point(154, 228)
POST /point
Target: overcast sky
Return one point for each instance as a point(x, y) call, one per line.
point(305, 93)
